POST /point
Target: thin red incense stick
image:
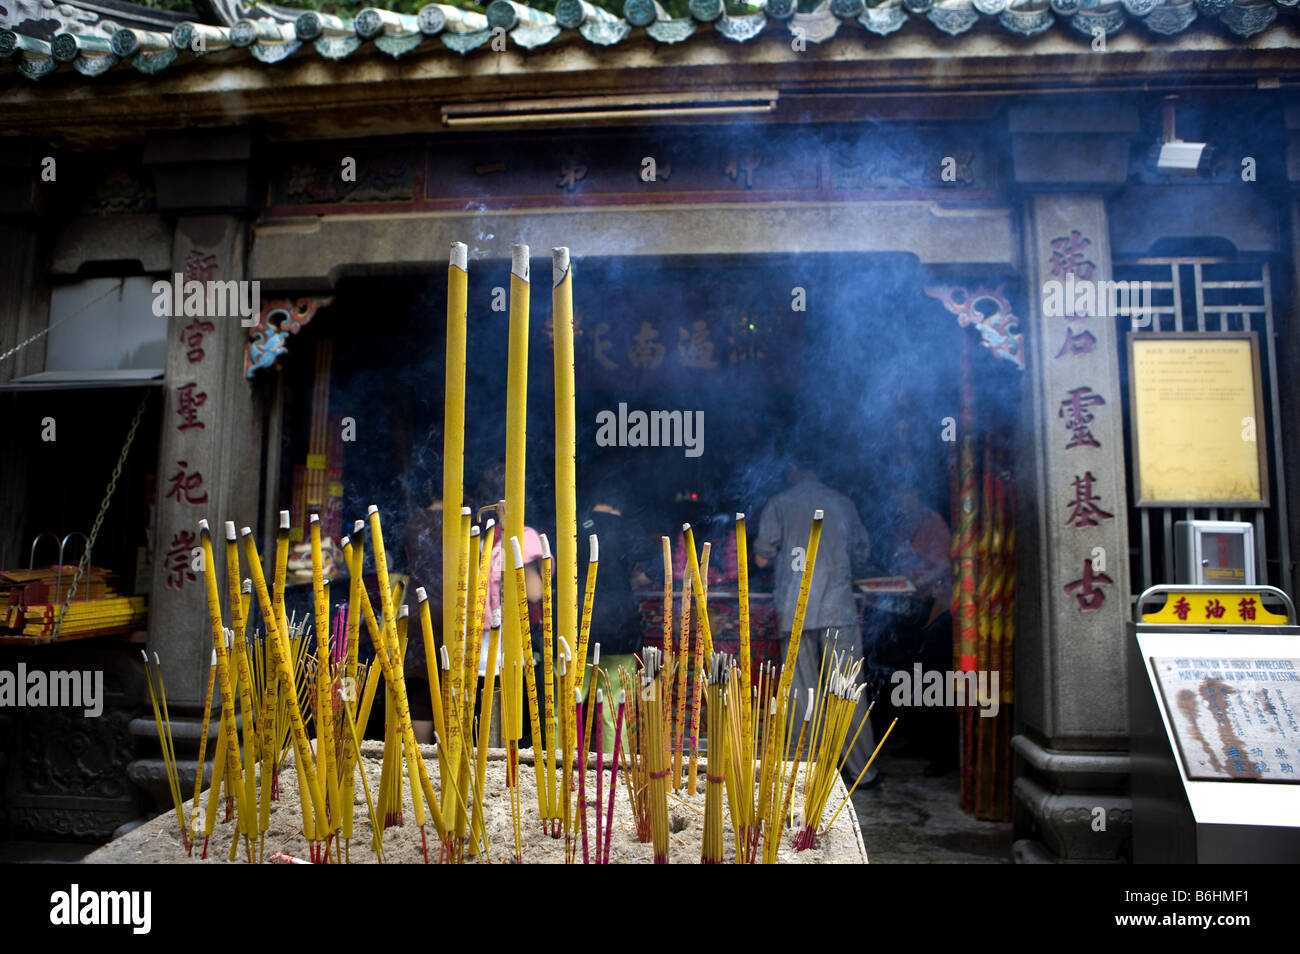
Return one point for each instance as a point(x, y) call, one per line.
point(613, 782)
point(582, 784)
point(600, 765)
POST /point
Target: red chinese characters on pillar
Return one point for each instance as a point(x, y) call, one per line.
point(177, 561)
point(1089, 596)
point(1246, 609)
point(192, 335)
point(200, 267)
point(1068, 256)
point(1182, 608)
point(1074, 411)
point(1085, 509)
point(189, 400)
point(184, 485)
point(1085, 342)
point(1214, 610)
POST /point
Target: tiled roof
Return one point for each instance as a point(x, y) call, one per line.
point(95, 48)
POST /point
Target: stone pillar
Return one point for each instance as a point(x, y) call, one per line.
point(209, 456)
point(209, 452)
point(1071, 677)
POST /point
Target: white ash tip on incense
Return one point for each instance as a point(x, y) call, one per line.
point(203, 525)
point(465, 511)
point(559, 264)
point(403, 611)
point(246, 586)
point(145, 656)
point(565, 643)
point(577, 695)
point(519, 261)
point(489, 525)
point(357, 525)
point(496, 618)
point(517, 552)
point(372, 510)
point(345, 541)
point(284, 520)
point(595, 661)
point(245, 531)
point(594, 544)
point(460, 256)
point(686, 528)
point(807, 714)
point(445, 657)
point(214, 658)
point(420, 594)
point(230, 530)
point(739, 517)
point(314, 518)
point(600, 697)
point(156, 661)
point(546, 548)
point(818, 515)
point(622, 696)
point(474, 531)
point(560, 665)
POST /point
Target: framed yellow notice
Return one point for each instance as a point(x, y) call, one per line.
point(1197, 420)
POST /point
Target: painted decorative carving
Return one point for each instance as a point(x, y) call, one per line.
point(990, 312)
point(278, 319)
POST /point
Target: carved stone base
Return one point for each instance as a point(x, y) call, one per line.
point(1072, 807)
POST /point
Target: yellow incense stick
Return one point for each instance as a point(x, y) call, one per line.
point(530, 678)
point(283, 655)
point(697, 587)
point(224, 678)
point(513, 518)
point(548, 676)
point(566, 503)
point(399, 685)
point(455, 521)
point(244, 681)
point(203, 744)
point(801, 605)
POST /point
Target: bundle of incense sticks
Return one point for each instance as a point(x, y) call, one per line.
point(635, 771)
point(163, 723)
point(838, 701)
point(719, 676)
point(655, 751)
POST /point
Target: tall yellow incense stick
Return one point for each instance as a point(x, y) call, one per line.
point(548, 689)
point(283, 661)
point(348, 690)
point(203, 745)
point(399, 685)
point(485, 718)
point(530, 678)
point(742, 586)
point(454, 641)
point(801, 606)
point(224, 680)
point(453, 450)
point(243, 680)
point(588, 604)
point(324, 680)
point(566, 498)
point(697, 587)
point(516, 423)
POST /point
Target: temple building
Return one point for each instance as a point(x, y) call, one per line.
point(882, 234)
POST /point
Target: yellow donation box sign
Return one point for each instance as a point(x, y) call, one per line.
point(1198, 420)
point(1230, 607)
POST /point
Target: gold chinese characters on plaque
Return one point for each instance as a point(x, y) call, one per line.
point(1197, 420)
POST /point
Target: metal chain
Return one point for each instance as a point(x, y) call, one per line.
point(99, 518)
point(45, 331)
